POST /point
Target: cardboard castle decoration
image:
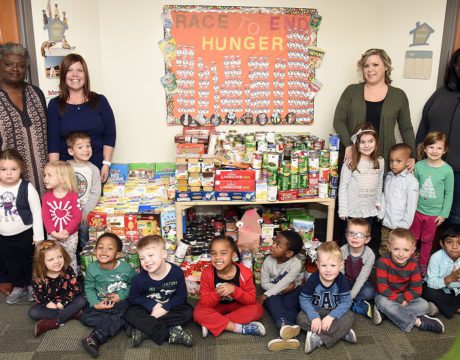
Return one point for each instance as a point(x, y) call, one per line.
point(421, 33)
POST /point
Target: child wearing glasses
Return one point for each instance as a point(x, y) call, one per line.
point(400, 195)
point(357, 265)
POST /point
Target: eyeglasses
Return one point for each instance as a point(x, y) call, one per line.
point(358, 235)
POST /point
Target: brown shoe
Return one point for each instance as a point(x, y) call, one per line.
point(6, 288)
point(42, 326)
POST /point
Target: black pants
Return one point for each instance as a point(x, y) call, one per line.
point(40, 311)
point(158, 329)
point(447, 303)
point(105, 323)
point(17, 253)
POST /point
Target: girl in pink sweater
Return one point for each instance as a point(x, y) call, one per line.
point(61, 208)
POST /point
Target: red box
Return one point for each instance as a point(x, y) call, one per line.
point(131, 232)
point(308, 193)
point(234, 185)
point(235, 175)
point(97, 220)
point(286, 195)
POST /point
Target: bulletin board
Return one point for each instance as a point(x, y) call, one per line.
point(240, 65)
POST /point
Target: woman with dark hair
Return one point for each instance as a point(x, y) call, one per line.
point(442, 113)
point(77, 108)
point(22, 113)
point(374, 101)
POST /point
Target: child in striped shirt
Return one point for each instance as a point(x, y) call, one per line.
point(399, 287)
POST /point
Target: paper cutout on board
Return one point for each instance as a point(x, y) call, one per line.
point(420, 34)
point(239, 62)
point(417, 65)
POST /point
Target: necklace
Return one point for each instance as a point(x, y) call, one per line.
point(78, 103)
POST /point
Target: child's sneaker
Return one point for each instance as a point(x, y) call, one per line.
point(350, 337)
point(253, 328)
point(362, 308)
point(289, 331)
point(180, 336)
point(432, 309)
point(128, 330)
point(283, 344)
point(42, 326)
point(204, 332)
point(377, 316)
point(90, 344)
point(15, 295)
point(30, 293)
point(431, 324)
point(137, 337)
point(312, 341)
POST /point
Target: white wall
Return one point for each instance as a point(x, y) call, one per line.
point(119, 40)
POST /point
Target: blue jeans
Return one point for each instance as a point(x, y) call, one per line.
point(41, 312)
point(402, 316)
point(367, 292)
point(284, 308)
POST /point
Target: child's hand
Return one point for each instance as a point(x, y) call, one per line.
point(404, 303)
point(453, 276)
point(439, 220)
point(104, 305)
point(114, 297)
point(289, 289)
point(410, 165)
point(59, 306)
point(326, 323)
point(225, 289)
point(65, 234)
point(262, 298)
point(51, 305)
point(316, 325)
point(158, 311)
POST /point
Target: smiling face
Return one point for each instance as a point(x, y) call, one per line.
point(401, 249)
point(152, 257)
point(367, 145)
point(106, 252)
point(81, 150)
point(328, 267)
point(398, 161)
point(10, 172)
point(221, 255)
point(451, 246)
point(435, 151)
point(374, 70)
point(13, 69)
point(75, 77)
point(54, 261)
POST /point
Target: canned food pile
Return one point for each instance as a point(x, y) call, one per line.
point(286, 166)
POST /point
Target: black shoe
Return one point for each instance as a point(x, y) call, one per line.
point(90, 345)
point(180, 336)
point(128, 330)
point(428, 323)
point(137, 337)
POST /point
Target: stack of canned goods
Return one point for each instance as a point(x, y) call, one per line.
point(286, 162)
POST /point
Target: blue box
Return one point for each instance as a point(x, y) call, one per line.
point(195, 196)
point(118, 173)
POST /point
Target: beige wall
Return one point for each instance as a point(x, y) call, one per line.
point(119, 40)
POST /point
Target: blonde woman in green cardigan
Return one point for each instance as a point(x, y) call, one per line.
point(377, 102)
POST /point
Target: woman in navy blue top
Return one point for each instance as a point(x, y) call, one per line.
point(78, 108)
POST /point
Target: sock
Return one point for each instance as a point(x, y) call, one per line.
point(238, 328)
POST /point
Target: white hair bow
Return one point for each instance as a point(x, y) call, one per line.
point(354, 137)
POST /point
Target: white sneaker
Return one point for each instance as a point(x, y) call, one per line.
point(15, 295)
point(204, 332)
point(350, 337)
point(289, 331)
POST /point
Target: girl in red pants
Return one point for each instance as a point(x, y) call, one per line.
point(228, 295)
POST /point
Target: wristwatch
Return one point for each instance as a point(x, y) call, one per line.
point(106, 162)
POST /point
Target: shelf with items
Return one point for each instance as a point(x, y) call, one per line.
point(328, 202)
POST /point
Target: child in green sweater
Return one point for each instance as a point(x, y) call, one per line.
point(107, 286)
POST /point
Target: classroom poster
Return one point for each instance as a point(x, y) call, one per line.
point(240, 65)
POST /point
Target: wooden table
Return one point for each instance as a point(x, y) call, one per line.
point(181, 206)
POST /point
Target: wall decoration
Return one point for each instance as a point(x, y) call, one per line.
point(420, 34)
point(417, 65)
point(241, 65)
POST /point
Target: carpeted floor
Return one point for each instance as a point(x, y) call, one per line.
point(374, 342)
